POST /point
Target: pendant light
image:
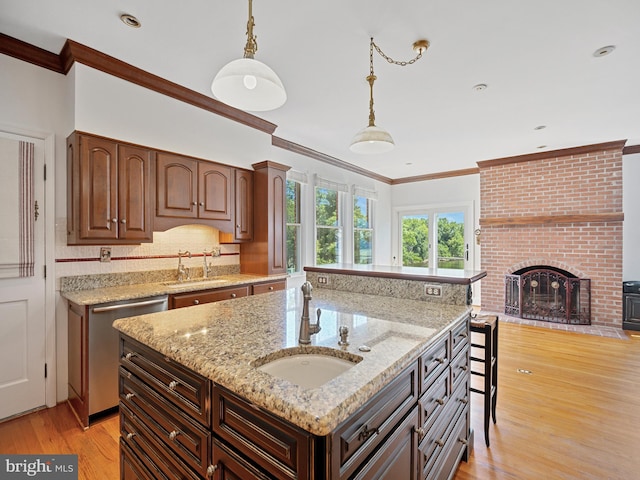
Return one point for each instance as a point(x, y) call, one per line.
point(246, 83)
point(373, 139)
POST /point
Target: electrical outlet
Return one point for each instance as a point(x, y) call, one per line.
point(105, 254)
point(433, 290)
point(323, 280)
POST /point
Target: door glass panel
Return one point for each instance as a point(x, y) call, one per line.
point(415, 240)
point(450, 235)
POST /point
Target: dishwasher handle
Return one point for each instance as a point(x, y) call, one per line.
point(128, 305)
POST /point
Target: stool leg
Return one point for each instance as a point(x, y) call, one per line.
point(494, 372)
point(488, 370)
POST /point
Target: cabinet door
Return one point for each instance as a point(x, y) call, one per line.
point(176, 186)
point(214, 191)
point(134, 197)
point(78, 358)
point(244, 205)
point(98, 188)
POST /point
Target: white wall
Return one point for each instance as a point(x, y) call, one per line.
point(631, 225)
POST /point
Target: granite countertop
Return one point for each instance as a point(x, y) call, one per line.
point(94, 296)
point(444, 275)
point(224, 341)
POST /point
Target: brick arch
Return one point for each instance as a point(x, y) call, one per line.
point(544, 261)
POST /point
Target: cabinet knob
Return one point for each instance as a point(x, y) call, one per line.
point(211, 469)
point(196, 302)
point(174, 434)
point(439, 401)
point(172, 385)
point(193, 203)
point(123, 221)
point(420, 431)
point(129, 355)
point(238, 226)
point(129, 396)
point(439, 443)
point(233, 295)
point(114, 220)
point(201, 204)
point(270, 288)
point(130, 435)
point(440, 360)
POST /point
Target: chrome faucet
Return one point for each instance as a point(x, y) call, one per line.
point(184, 273)
point(306, 327)
point(207, 268)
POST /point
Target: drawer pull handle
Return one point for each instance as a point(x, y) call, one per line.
point(439, 443)
point(440, 360)
point(270, 288)
point(129, 396)
point(211, 469)
point(129, 355)
point(173, 385)
point(196, 302)
point(420, 431)
point(130, 435)
point(366, 432)
point(464, 400)
point(174, 434)
point(233, 295)
point(440, 401)
point(463, 441)
point(463, 335)
point(463, 368)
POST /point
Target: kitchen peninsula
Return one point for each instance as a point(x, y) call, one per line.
point(194, 400)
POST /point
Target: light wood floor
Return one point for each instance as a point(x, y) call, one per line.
point(577, 416)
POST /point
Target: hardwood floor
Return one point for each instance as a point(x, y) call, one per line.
point(577, 416)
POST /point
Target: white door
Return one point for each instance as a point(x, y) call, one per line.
point(22, 282)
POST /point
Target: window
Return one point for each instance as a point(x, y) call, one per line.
point(294, 228)
point(447, 228)
point(328, 226)
point(362, 229)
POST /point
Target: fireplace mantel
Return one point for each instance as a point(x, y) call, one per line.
point(552, 219)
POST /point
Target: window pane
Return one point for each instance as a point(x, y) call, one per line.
point(326, 207)
point(293, 248)
point(293, 202)
point(451, 240)
point(361, 212)
point(362, 246)
point(415, 241)
point(327, 245)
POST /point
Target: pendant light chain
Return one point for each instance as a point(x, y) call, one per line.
point(252, 41)
point(419, 48)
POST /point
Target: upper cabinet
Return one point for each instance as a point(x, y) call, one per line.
point(243, 209)
point(109, 191)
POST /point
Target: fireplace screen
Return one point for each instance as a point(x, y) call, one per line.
point(549, 295)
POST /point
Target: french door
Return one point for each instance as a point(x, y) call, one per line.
point(436, 237)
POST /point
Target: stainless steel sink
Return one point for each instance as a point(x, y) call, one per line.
point(309, 370)
point(194, 283)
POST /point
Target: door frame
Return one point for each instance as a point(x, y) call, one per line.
point(48, 216)
point(398, 212)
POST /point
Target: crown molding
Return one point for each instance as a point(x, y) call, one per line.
point(30, 53)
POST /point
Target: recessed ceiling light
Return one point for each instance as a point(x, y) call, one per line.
point(602, 51)
point(479, 87)
point(130, 20)
point(540, 127)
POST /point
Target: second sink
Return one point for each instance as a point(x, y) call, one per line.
point(308, 370)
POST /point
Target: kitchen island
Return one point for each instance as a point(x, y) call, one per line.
point(408, 394)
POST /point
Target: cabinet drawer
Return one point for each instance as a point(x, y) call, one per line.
point(269, 287)
point(149, 452)
point(130, 467)
point(165, 424)
point(459, 337)
point(188, 391)
point(275, 446)
point(433, 401)
point(208, 296)
point(231, 466)
point(453, 450)
point(361, 434)
point(436, 440)
point(460, 367)
point(434, 361)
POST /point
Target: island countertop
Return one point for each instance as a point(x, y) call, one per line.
point(225, 341)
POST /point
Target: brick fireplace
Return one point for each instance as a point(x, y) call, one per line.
point(562, 209)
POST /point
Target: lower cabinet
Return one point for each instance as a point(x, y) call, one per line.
point(179, 300)
point(416, 427)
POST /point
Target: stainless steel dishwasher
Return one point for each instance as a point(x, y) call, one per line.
point(103, 347)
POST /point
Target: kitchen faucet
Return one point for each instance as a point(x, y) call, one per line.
point(207, 268)
point(184, 273)
point(306, 327)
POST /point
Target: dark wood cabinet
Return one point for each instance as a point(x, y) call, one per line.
point(267, 287)
point(180, 300)
point(267, 253)
point(109, 191)
point(416, 427)
point(198, 190)
point(244, 205)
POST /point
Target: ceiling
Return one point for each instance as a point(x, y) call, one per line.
point(536, 58)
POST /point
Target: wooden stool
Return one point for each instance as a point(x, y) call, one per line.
point(487, 365)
